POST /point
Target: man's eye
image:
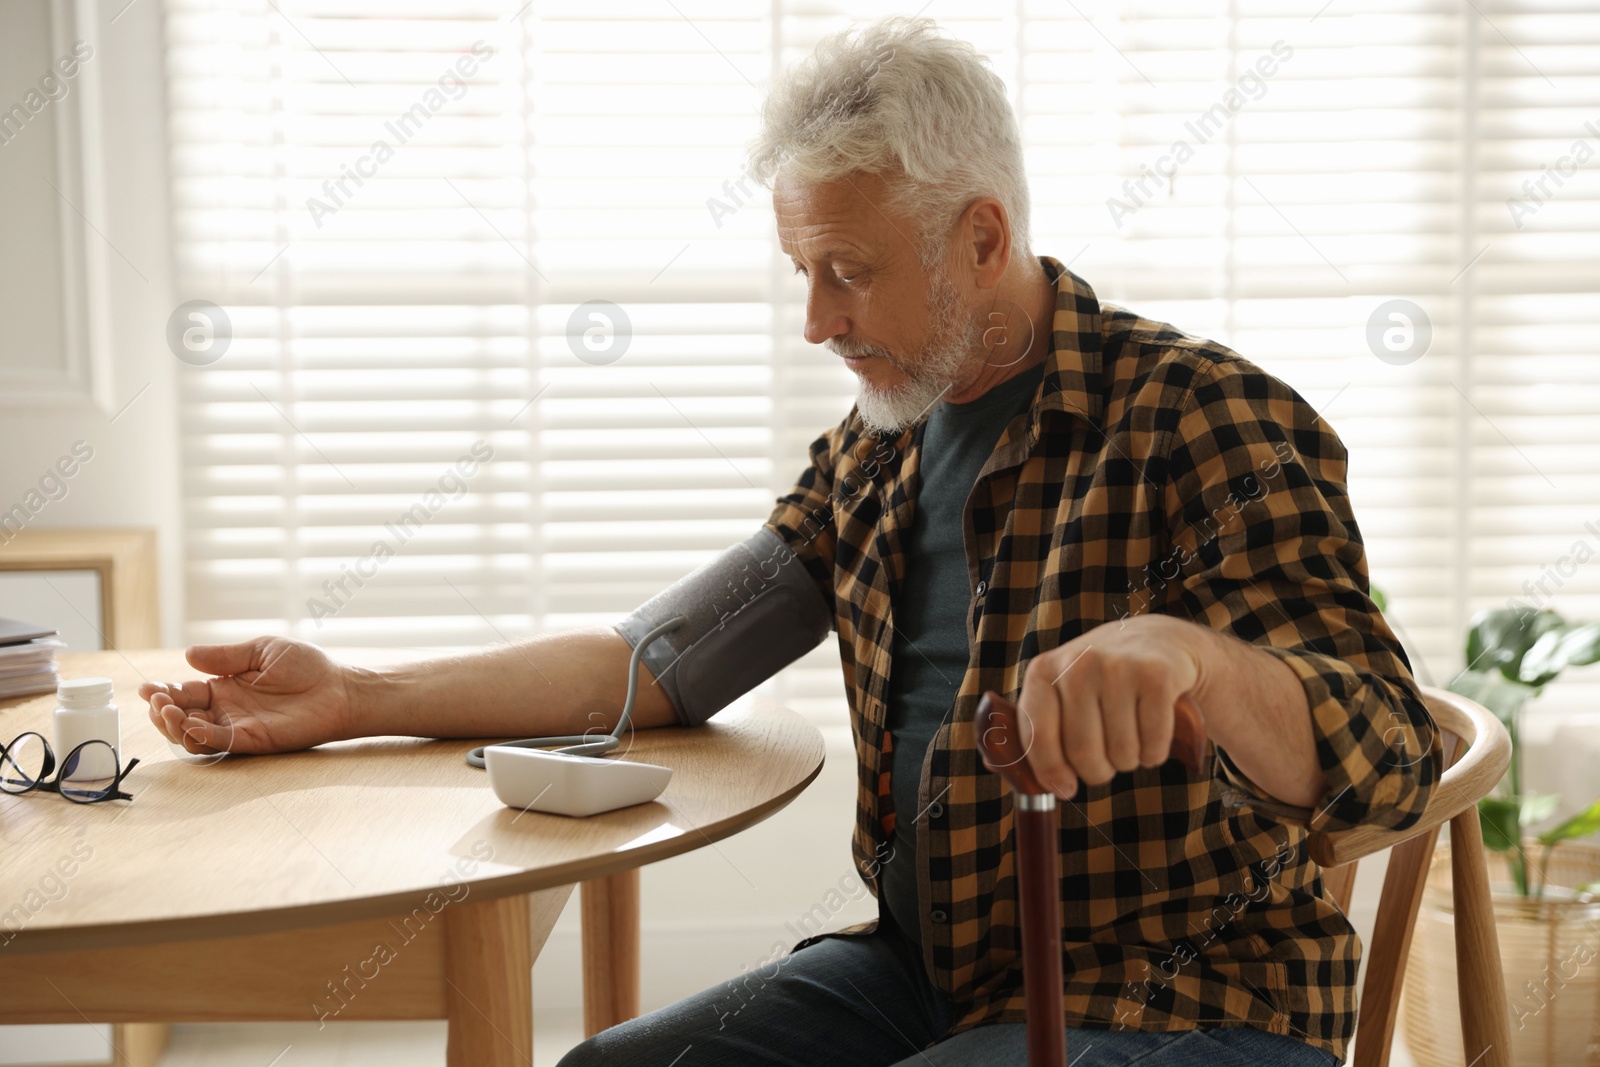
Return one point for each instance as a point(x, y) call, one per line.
point(798, 269)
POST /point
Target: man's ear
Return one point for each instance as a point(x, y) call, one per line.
point(986, 231)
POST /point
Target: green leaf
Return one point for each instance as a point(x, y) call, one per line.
point(1537, 807)
point(1378, 598)
point(1495, 692)
point(1498, 637)
point(1565, 646)
point(1498, 818)
point(1582, 824)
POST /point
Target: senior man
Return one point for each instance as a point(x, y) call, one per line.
point(1036, 493)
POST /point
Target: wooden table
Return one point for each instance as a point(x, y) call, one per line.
point(370, 879)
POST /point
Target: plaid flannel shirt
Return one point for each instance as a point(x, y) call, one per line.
point(1154, 471)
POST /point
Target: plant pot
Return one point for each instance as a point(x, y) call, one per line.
point(1549, 952)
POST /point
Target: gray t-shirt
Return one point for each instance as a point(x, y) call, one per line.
point(930, 651)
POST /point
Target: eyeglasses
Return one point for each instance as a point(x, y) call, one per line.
point(90, 773)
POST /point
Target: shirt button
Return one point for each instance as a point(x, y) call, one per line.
point(938, 916)
point(983, 587)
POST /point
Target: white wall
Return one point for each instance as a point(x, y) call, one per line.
point(84, 298)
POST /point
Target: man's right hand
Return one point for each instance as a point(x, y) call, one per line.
point(271, 694)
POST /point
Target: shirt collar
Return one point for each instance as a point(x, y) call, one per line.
point(1072, 368)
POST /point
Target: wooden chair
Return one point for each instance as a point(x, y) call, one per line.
point(1485, 1022)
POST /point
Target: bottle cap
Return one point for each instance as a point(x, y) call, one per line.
point(85, 692)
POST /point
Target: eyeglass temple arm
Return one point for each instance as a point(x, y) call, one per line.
point(116, 792)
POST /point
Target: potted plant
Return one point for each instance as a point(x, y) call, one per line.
point(1543, 886)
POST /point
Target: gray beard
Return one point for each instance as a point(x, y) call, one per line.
point(954, 339)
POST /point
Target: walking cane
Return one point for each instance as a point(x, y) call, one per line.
point(1039, 862)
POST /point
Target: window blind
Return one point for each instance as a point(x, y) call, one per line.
point(1272, 175)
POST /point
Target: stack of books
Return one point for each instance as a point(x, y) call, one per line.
point(27, 659)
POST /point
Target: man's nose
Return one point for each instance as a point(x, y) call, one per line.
point(825, 320)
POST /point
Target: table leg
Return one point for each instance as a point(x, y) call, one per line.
point(610, 950)
point(139, 1044)
point(488, 972)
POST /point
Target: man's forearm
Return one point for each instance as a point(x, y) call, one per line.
point(1256, 709)
point(560, 683)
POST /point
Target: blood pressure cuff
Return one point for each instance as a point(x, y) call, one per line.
point(750, 612)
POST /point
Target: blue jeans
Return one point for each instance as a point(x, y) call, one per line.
point(867, 1002)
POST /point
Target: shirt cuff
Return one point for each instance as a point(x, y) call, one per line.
point(1363, 724)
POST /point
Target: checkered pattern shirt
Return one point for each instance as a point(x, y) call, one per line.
point(1154, 472)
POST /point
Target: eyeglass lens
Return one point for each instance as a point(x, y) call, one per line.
point(89, 773)
point(23, 764)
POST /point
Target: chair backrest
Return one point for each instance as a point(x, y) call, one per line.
point(1468, 777)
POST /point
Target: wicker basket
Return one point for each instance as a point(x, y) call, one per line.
point(1550, 953)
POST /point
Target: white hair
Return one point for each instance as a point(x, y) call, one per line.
point(899, 98)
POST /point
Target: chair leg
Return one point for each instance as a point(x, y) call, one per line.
point(1485, 1018)
point(610, 908)
point(1391, 946)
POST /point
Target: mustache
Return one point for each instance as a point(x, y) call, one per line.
point(841, 347)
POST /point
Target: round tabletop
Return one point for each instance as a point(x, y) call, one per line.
point(349, 830)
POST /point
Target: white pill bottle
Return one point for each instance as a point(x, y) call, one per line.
point(85, 712)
